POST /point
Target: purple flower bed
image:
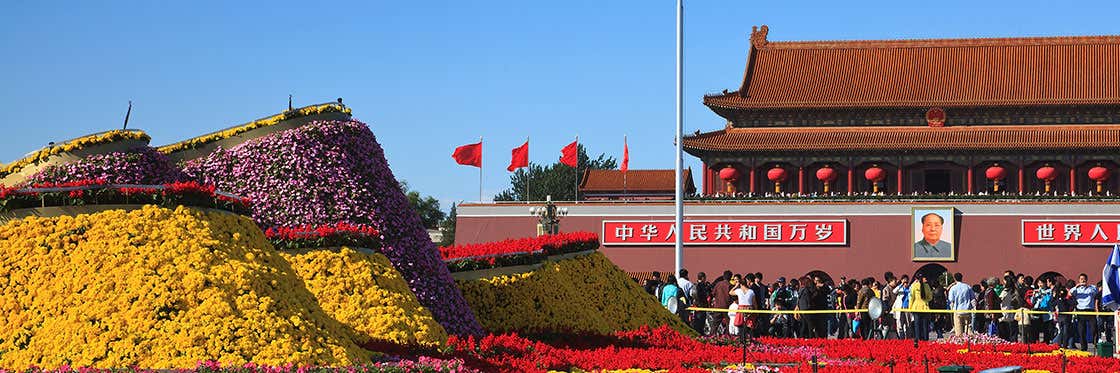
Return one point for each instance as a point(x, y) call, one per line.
point(143, 165)
point(330, 172)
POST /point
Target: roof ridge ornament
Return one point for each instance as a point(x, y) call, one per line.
point(758, 36)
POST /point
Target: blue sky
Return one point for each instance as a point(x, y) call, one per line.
point(431, 75)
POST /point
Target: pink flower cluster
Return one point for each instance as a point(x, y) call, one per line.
point(329, 172)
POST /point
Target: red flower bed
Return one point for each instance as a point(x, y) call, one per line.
point(516, 251)
point(663, 348)
point(100, 192)
point(339, 234)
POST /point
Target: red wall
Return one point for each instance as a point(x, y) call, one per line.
point(986, 246)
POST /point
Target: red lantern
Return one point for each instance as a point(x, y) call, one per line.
point(729, 174)
point(1046, 173)
point(995, 173)
point(777, 175)
point(875, 174)
point(827, 175)
point(1098, 174)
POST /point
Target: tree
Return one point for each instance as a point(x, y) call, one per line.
point(447, 227)
point(426, 207)
point(558, 180)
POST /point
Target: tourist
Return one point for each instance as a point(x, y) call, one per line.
point(960, 298)
point(888, 318)
point(990, 301)
point(653, 284)
point(717, 324)
point(671, 296)
point(1011, 299)
point(1042, 299)
point(863, 300)
point(685, 285)
point(701, 299)
point(1063, 303)
point(1084, 296)
point(901, 303)
point(747, 301)
point(920, 296)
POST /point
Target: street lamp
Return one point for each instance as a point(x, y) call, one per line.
point(548, 217)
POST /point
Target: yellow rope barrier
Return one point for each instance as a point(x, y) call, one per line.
point(907, 310)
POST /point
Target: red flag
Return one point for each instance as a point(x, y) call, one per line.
point(625, 157)
point(520, 157)
point(570, 154)
point(469, 155)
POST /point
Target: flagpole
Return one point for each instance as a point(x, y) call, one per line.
point(624, 172)
point(480, 170)
point(679, 193)
point(577, 170)
point(528, 168)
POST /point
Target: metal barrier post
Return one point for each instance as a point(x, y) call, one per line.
point(814, 364)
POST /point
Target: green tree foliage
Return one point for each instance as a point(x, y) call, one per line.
point(557, 179)
point(427, 207)
point(447, 227)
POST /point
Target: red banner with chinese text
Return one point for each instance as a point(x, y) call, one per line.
point(1071, 232)
point(728, 232)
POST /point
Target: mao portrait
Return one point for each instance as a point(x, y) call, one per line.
point(933, 234)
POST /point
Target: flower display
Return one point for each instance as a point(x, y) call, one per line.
point(422, 364)
point(142, 165)
point(100, 192)
point(664, 349)
point(323, 173)
point(334, 235)
point(516, 251)
point(364, 292)
point(157, 288)
point(265, 122)
point(74, 145)
point(582, 295)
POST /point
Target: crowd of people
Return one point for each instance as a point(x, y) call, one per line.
point(896, 296)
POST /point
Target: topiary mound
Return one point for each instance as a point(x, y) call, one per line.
point(157, 288)
point(142, 165)
point(323, 173)
point(363, 291)
point(582, 295)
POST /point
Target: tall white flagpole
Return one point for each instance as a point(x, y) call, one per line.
point(480, 171)
point(528, 167)
point(576, 200)
point(626, 153)
point(678, 198)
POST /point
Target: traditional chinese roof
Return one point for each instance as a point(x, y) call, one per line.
point(636, 181)
point(1001, 137)
point(1082, 70)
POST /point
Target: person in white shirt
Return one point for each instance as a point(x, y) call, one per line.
point(685, 285)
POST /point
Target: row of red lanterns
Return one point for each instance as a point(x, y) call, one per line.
point(876, 174)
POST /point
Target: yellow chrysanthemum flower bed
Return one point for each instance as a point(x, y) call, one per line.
point(73, 145)
point(364, 291)
point(586, 294)
point(157, 288)
point(236, 130)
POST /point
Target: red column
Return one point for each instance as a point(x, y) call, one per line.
point(800, 180)
point(707, 179)
point(1072, 180)
point(969, 180)
point(899, 190)
point(1020, 179)
point(752, 180)
point(850, 181)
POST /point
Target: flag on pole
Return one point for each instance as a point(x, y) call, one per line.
point(570, 154)
point(469, 155)
point(625, 156)
point(1110, 280)
point(520, 157)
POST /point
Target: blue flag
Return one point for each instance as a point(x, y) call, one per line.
point(1110, 280)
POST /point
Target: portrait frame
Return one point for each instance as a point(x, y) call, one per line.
point(920, 249)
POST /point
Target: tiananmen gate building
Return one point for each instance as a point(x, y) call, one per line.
point(858, 157)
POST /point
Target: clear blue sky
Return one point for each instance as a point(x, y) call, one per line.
point(428, 76)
